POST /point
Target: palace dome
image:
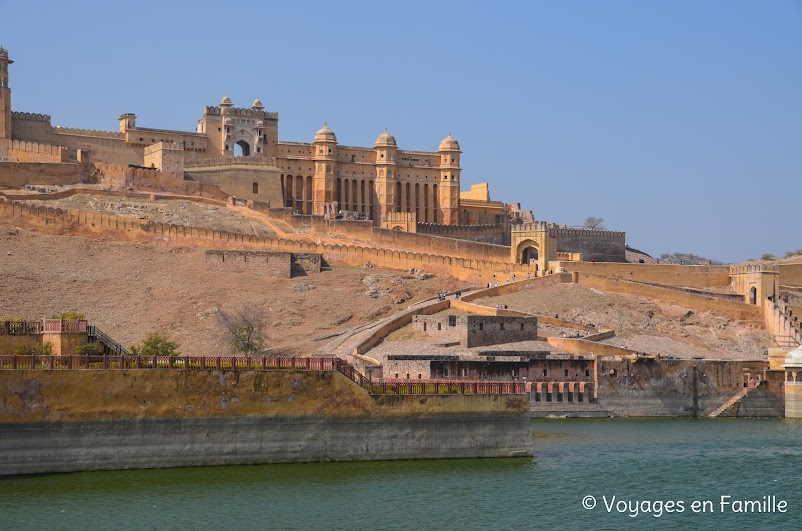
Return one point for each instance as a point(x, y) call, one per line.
point(794, 358)
point(449, 143)
point(385, 139)
point(226, 102)
point(325, 135)
point(257, 105)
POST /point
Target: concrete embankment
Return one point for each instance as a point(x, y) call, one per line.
point(60, 421)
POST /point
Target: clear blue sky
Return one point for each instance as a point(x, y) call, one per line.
point(679, 122)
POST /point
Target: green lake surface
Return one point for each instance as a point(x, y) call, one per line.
point(641, 463)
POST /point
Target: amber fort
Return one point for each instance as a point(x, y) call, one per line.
point(395, 290)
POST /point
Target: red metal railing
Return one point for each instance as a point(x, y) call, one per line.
point(64, 325)
point(264, 363)
point(10, 327)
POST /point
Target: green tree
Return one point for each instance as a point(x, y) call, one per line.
point(768, 256)
point(40, 349)
point(89, 349)
point(155, 345)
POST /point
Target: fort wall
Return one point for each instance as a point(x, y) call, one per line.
point(700, 303)
point(671, 275)
point(36, 152)
point(790, 274)
point(365, 233)
point(602, 246)
point(51, 220)
point(19, 174)
point(497, 234)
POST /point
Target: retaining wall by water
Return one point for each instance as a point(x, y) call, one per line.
point(47, 447)
point(71, 420)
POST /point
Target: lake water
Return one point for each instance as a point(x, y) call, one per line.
point(640, 462)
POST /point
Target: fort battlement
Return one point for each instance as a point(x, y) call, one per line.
point(558, 232)
point(48, 218)
point(36, 152)
point(242, 112)
point(251, 160)
point(31, 116)
point(753, 268)
point(88, 132)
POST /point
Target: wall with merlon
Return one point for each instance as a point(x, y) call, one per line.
point(602, 246)
point(393, 239)
point(700, 303)
point(93, 224)
point(494, 234)
point(36, 152)
point(671, 275)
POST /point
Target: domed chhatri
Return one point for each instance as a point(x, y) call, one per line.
point(794, 358)
point(325, 135)
point(385, 139)
point(257, 105)
point(226, 102)
point(449, 143)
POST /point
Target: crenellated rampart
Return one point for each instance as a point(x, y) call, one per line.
point(88, 132)
point(599, 245)
point(30, 116)
point(497, 234)
point(37, 152)
point(54, 220)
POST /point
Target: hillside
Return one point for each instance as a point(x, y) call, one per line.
point(130, 290)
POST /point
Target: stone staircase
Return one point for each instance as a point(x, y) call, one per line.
point(740, 395)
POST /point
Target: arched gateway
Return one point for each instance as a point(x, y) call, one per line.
point(531, 243)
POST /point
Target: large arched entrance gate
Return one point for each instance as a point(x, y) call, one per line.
point(531, 243)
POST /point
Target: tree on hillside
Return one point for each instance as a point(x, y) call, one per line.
point(594, 223)
point(155, 345)
point(245, 326)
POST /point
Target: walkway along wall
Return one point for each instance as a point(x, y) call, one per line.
point(64, 421)
point(90, 224)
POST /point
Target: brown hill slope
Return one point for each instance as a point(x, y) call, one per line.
point(130, 290)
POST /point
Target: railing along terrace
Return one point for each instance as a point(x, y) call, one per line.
point(64, 325)
point(11, 327)
point(417, 387)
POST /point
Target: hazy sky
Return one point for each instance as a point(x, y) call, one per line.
point(679, 122)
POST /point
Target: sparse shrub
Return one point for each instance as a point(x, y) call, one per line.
point(40, 349)
point(768, 256)
point(90, 349)
point(69, 315)
point(245, 327)
point(155, 345)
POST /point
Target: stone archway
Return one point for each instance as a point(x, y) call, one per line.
point(244, 149)
point(530, 241)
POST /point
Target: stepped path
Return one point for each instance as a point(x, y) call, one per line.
point(743, 392)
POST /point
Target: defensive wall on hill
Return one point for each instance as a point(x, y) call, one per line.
point(738, 311)
point(790, 274)
point(366, 234)
point(18, 174)
point(167, 418)
point(34, 152)
point(89, 224)
point(497, 234)
point(670, 275)
point(599, 245)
